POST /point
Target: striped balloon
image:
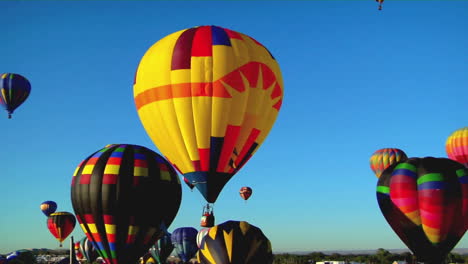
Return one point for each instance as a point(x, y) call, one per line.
point(235, 242)
point(14, 90)
point(201, 235)
point(124, 196)
point(384, 158)
point(457, 146)
point(61, 224)
point(425, 201)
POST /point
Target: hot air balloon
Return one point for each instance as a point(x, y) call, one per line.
point(162, 249)
point(184, 240)
point(457, 146)
point(61, 224)
point(384, 158)
point(14, 90)
point(425, 201)
point(88, 250)
point(245, 192)
point(235, 242)
point(208, 97)
point(201, 235)
point(124, 197)
point(48, 207)
point(148, 259)
point(78, 253)
point(380, 3)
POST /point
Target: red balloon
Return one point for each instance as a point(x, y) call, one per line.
point(245, 192)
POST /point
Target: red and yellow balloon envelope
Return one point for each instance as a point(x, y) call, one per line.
point(457, 146)
point(124, 197)
point(14, 90)
point(208, 97)
point(425, 201)
point(384, 158)
point(60, 225)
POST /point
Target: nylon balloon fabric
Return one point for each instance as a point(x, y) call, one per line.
point(14, 90)
point(184, 240)
point(124, 197)
point(235, 242)
point(384, 158)
point(425, 201)
point(208, 96)
point(48, 207)
point(457, 146)
point(61, 224)
point(162, 248)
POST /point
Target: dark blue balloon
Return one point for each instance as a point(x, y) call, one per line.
point(184, 240)
point(48, 207)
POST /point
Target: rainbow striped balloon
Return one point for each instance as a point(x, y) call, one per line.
point(425, 201)
point(384, 158)
point(457, 146)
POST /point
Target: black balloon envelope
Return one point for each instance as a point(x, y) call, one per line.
point(124, 197)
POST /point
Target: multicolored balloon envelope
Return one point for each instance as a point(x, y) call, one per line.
point(124, 197)
point(61, 224)
point(457, 146)
point(425, 201)
point(384, 158)
point(201, 235)
point(78, 253)
point(88, 250)
point(208, 97)
point(162, 249)
point(235, 242)
point(48, 207)
point(184, 240)
point(14, 90)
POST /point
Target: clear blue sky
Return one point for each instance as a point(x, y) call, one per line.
point(355, 80)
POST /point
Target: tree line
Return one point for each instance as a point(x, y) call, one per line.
point(381, 256)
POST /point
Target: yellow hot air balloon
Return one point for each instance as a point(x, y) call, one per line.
point(457, 146)
point(208, 97)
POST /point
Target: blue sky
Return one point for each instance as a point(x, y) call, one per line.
point(355, 80)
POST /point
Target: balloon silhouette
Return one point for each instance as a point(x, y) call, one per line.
point(208, 96)
point(425, 201)
point(124, 197)
point(61, 224)
point(162, 249)
point(235, 242)
point(457, 146)
point(384, 158)
point(14, 90)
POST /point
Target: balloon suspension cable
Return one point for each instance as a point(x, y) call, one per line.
point(9, 116)
point(207, 209)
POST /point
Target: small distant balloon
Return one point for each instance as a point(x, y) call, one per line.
point(457, 146)
point(245, 192)
point(384, 158)
point(14, 90)
point(48, 207)
point(61, 224)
